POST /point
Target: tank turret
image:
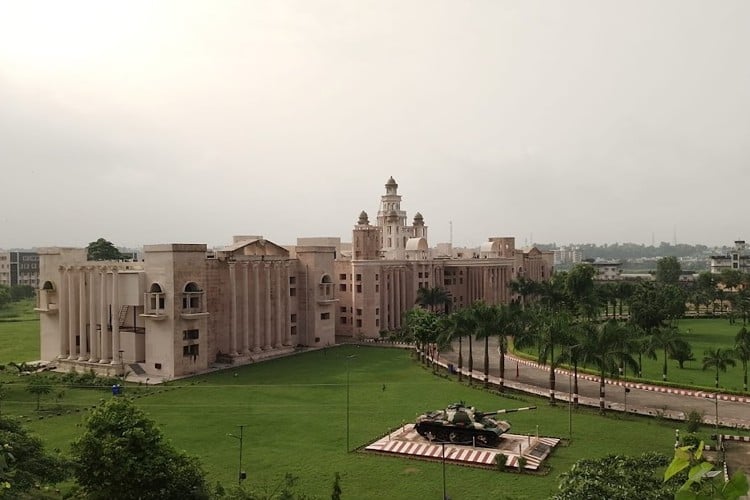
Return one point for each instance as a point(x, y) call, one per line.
point(463, 424)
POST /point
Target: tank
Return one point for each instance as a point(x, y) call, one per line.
point(463, 424)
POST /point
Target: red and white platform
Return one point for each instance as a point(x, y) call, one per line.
point(406, 442)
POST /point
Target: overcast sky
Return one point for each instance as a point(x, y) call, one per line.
point(573, 121)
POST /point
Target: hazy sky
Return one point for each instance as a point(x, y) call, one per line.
point(566, 121)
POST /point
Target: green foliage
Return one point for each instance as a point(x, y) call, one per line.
point(5, 297)
point(39, 386)
point(123, 455)
point(88, 379)
point(718, 358)
point(102, 249)
point(700, 484)
point(694, 420)
point(668, 270)
point(23, 462)
point(21, 292)
point(616, 477)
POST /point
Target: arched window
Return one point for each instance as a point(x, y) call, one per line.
point(192, 298)
point(326, 286)
point(155, 299)
point(46, 297)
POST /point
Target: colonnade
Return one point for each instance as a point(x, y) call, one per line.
point(396, 296)
point(85, 296)
point(259, 305)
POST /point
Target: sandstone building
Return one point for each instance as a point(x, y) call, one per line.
point(183, 306)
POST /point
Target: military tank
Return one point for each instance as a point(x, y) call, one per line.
point(463, 424)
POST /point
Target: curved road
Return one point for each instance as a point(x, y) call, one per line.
point(525, 376)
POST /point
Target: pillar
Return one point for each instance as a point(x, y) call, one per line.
point(103, 355)
point(246, 309)
point(267, 304)
point(280, 295)
point(71, 314)
point(63, 312)
point(256, 307)
point(83, 352)
point(286, 301)
point(233, 305)
point(93, 334)
point(115, 319)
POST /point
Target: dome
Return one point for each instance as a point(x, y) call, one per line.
point(363, 219)
point(391, 182)
point(418, 217)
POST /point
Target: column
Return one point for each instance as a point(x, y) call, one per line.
point(391, 299)
point(397, 297)
point(63, 311)
point(246, 309)
point(233, 305)
point(287, 299)
point(103, 357)
point(115, 319)
point(93, 334)
point(267, 304)
point(83, 352)
point(281, 294)
point(71, 314)
point(256, 307)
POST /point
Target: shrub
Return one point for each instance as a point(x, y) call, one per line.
point(694, 420)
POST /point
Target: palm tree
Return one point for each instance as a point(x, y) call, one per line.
point(431, 298)
point(718, 358)
point(742, 351)
point(525, 288)
point(485, 325)
point(601, 347)
point(669, 340)
point(456, 326)
point(510, 320)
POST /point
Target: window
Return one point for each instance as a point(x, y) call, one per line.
point(377, 287)
point(342, 310)
point(342, 287)
point(359, 323)
point(359, 288)
point(359, 277)
point(359, 312)
point(377, 322)
point(342, 277)
point(292, 292)
point(325, 316)
point(293, 318)
point(377, 311)
point(342, 320)
point(426, 275)
point(190, 350)
point(420, 274)
point(191, 298)
point(292, 280)
point(293, 330)
point(377, 277)
point(190, 334)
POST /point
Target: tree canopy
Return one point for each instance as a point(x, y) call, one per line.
point(668, 270)
point(102, 249)
point(122, 455)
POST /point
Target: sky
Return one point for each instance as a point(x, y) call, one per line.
point(191, 121)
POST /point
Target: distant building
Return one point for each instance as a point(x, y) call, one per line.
point(737, 259)
point(19, 268)
point(606, 270)
point(567, 255)
point(182, 307)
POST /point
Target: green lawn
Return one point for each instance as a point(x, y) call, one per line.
point(702, 334)
point(295, 412)
point(19, 333)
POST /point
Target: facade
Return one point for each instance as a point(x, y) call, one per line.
point(19, 268)
point(182, 307)
point(607, 270)
point(737, 259)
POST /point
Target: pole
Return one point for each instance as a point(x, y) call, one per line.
point(445, 495)
point(627, 390)
point(716, 402)
point(239, 474)
point(570, 406)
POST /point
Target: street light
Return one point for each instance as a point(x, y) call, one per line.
point(716, 402)
point(570, 393)
point(241, 475)
point(347, 399)
point(627, 390)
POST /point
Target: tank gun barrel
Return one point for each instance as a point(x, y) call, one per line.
point(507, 410)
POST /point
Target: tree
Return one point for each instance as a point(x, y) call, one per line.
point(602, 347)
point(5, 297)
point(20, 292)
point(668, 270)
point(38, 386)
point(669, 340)
point(700, 485)
point(456, 326)
point(742, 351)
point(122, 455)
point(731, 278)
point(25, 462)
point(102, 249)
point(422, 325)
point(579, 284)
point(433, 298)
point(616, 477)
point(682, 353)
point(718, 358)
point(524, 288)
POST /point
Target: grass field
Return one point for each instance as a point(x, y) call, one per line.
point(19, 332)
point(295, 411)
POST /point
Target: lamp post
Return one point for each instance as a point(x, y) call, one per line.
point(716, 403)
point(240, 474)
point(122, 364)
point(570, 393)
point(627, 390)
point(348, 358)
point(445, 495)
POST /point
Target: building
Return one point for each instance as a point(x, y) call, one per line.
point(737, 259)
point(606, 270)
point(19, 268)
point(183, 307)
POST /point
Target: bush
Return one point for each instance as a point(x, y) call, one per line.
point(694, 420)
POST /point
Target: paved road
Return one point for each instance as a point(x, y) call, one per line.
point(526, 377)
